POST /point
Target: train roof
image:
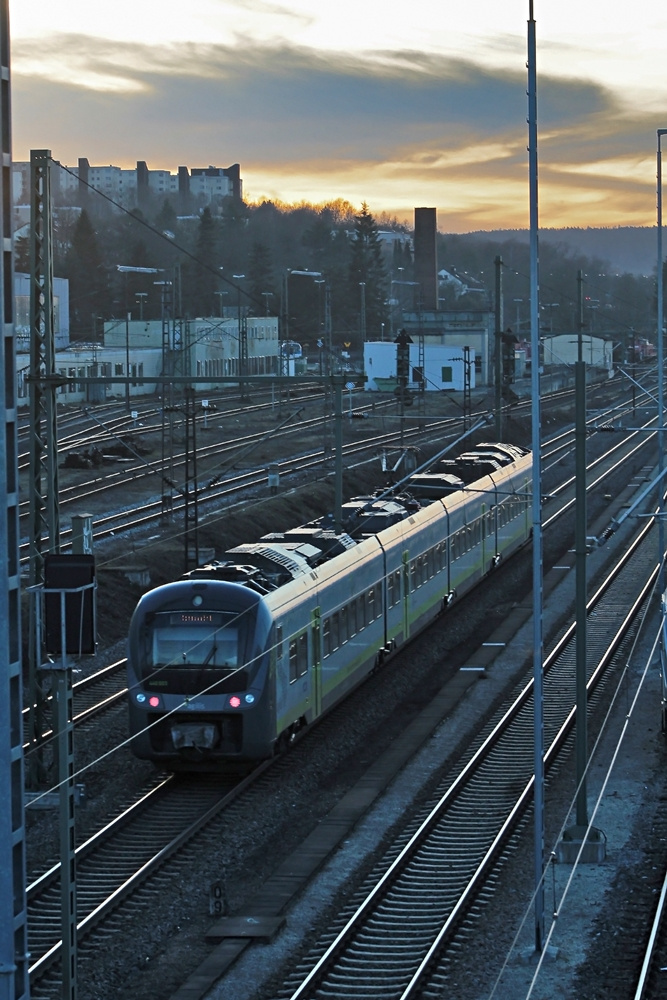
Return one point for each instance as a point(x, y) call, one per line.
point(281, 557)
point(469, 469)
point(433, 485)
point(323, 538)
point(278, 562)
point(503, 453)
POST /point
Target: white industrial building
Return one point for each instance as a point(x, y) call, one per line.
point(22, 312)
point(203, 348)
point(442, 368)
point(563, 349)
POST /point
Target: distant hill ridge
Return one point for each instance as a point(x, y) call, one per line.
point(627, 249)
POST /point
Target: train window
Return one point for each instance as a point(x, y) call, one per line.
point(279, 641)
point(362, 621)
point(370, 605)
point(326, 637)
point(352, 617)
point(391, 590)
point(293, 664)
point(302, 654)
point(344, 634)
point(335, 632)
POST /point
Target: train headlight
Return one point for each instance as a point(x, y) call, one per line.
point(235, 701)
point(197, 600)
point(141, 698)
point(154, 701)
point(249, 699)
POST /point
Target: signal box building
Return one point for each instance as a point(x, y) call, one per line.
point(441, 367)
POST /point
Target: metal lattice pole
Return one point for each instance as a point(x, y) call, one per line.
point(13, 918)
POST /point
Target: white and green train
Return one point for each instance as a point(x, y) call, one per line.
point(230, 662)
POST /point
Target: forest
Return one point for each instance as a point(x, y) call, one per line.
point(237, 255)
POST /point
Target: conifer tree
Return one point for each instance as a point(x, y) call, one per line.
point(261, 280)
point(202, 281)
point(367, 284)
point(88, 280)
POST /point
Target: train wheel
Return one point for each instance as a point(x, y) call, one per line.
point(449, 599)
point(284, 742)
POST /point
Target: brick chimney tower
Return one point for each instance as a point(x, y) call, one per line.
point(426, 263)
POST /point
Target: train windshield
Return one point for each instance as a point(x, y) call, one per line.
point(192, 651)
point(186, 645)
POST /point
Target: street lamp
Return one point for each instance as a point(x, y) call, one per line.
point(238, 277)
point(243, 343)
point(127, 269)
point(220, 296)
point(551, 306)
point(362, 286)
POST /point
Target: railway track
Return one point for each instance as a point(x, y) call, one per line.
point(92, 695)
point(99, 491)
point(110, 865)
point(52, 949)
point(651, 983)
point(101, 690)
point(397, 937)
point(85, 427)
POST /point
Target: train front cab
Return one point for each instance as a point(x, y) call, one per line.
point(201, 690)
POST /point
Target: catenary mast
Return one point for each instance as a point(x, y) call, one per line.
point(13, 920)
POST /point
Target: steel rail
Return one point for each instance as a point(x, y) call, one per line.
point(95, 901)
point(323, 971)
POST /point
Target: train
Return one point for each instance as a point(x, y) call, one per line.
point(227, 664)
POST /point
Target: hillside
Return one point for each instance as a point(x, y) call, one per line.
point(627, 249)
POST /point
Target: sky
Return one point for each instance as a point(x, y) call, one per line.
point(396, 104)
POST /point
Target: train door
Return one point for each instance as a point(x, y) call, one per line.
point(483, 525)
point(316, 662)
point(406, 596)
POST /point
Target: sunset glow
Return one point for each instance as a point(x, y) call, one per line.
point(396, 106)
